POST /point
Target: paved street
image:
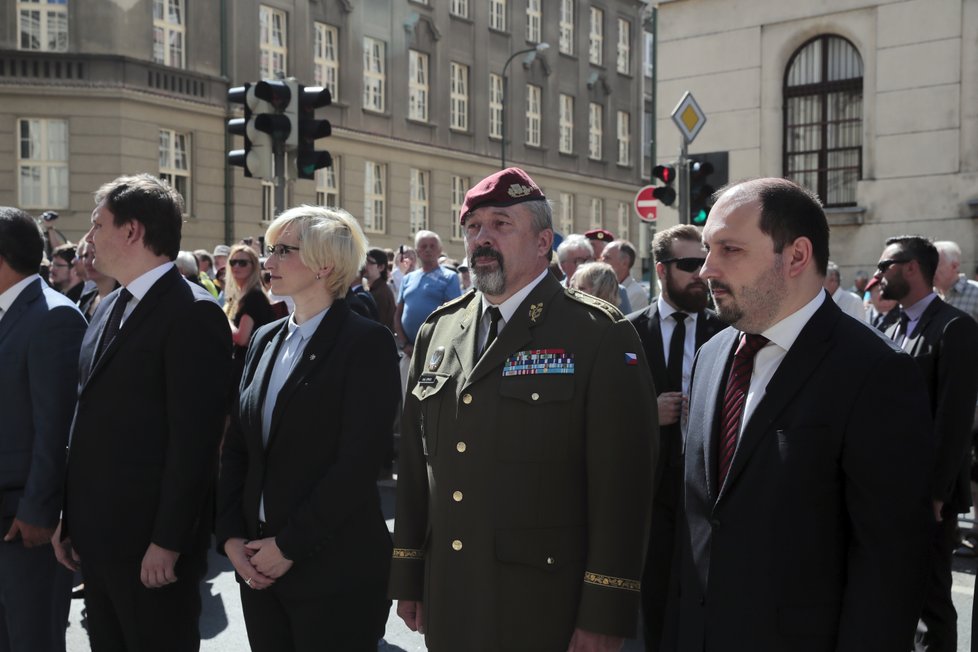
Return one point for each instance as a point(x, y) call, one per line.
point(222, 625)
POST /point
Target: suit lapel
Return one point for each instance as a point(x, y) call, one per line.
point(918, 340)
point(17, 309)
point(715, 371)
point(466, 339)
point(653, 351)
point(253, 398)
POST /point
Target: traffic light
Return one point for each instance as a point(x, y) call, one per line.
point(308, 160)
point(264, 125)
point(700, 191)
point(667, 174)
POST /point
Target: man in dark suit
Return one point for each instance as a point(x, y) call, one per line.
point(672, 329)
point(804, 515)
point(40, 334)
point(944, 342)
point(143, 453)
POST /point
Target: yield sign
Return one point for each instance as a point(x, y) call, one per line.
point(645, 204)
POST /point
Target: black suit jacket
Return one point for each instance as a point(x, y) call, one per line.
point(817, 540)
point(143, 451)
point(945, 347)
point(318, 472)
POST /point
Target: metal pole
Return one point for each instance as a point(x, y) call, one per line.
point(683, 182)
point(279, 153)
point(502, 122)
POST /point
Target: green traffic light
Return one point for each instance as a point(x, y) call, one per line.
point(700, 218)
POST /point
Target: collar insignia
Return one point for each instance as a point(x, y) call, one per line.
point(535, 311)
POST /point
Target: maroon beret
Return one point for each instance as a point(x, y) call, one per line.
point(504, 188)
point(873, 282)
point(599, 234)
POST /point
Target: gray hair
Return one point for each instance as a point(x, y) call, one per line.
point(832, 271)
point(186, 263)
point(421, 235)
point(541, 213)
point(949, 250)
point(572, 242)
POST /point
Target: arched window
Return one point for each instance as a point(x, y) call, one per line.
point(823, 119)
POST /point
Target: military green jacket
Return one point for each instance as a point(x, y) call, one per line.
point(525, 478)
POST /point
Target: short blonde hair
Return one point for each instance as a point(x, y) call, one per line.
point(600, 281)
point(328, 237)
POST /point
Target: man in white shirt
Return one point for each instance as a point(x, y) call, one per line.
point(850, 303)
point(620, 254)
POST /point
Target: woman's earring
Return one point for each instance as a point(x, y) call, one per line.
point(318, 277)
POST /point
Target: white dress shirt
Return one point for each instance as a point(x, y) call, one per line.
point(667, 324)
point(141, 285)
point(850, 303)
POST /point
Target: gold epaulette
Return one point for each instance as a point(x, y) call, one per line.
point(611, 582)
point(593, 302)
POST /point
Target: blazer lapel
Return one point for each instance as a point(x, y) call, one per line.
point(917, 339)
point(715, 371)
point(465, 341)
point(799, 363)
point(653, 351)
point(17, 309)
point(252, 399)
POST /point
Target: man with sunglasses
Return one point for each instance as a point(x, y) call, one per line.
point(944, 342)
point(672, 329)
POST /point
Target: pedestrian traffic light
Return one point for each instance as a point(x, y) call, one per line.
point(700, 192)
point(308, 160)
point(279, 117)
point(256, 157)
point(667, 174)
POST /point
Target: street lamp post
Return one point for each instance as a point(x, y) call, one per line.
point(539, 47)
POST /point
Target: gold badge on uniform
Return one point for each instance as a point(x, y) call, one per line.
point(535, 311)
point(436, 358)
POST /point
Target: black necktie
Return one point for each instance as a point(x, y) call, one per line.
point(114, 323)
point(677, 350)
point(494, 317)
point(902, 333)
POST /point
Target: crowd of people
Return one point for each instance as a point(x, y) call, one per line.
point(576, 459)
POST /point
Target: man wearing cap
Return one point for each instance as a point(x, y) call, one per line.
point(526, 471)
point(220, 256)
point(600, 238)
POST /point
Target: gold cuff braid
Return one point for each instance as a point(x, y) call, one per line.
point(611, 582)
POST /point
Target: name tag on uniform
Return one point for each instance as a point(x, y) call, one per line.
point(539, 361)
point(428, 380)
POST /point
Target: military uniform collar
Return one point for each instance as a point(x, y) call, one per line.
point(509, 307)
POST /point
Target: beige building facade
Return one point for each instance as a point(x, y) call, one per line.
point(873, 104)
point(91, 90)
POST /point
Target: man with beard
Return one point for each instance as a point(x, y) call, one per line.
point(527, 450)
point(944, 342)
point(672, 329)
point(804, 514)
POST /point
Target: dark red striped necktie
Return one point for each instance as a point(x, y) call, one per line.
point(738, 382)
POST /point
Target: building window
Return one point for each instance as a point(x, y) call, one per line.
point(43, 25)
point(495, 106)
point(566, 215)
point(175, 163)
point(267, 201)
point(374, 73)
point(823, 124)
point(648, 63)
point(326, 60)
point(273, 42)
point(624, 138)
point(460, 185)
point(624, 46)
point(596, 37)
point(42, 163)
point(533, 94)
point(459, 97)
point(566, 145)
point(460, 8)
point(497, 15)
point(597, 213)
point(566, 39)
point(328, 184)
point(168, 33)
point(419, 201)
point(374, 197)
point(595, 119)
point(623, 215)
point(417, 85)
point(534, 18)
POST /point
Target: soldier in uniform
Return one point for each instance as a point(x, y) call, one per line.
point(525, 484)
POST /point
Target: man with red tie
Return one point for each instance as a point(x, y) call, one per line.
point(804, 517)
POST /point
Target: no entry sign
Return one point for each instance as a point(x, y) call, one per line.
point(646, 204)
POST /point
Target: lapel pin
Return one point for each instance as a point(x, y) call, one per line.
point(436, 358)
point(312, 356)
point(535, 311)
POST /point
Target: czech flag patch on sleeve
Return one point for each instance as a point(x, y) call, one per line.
point(631, 359)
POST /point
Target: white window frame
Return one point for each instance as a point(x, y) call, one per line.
point(597, 213)
point(273, 40)
point(566, 26)
point(595, 125)
point(534, 20)
point(418, 89)
point(566, 125)
point(497, 15)
point(459, 8)
point(495, 106)
point(47, 31)
point(375, 197)
point(595, 42)
point(328, 184)
point(624, 138)
point(534, 111)
point(460, 186)
point(459, 96)
point(326, 59)
point(374, 74)
point(624, 213)
point(566, 219)
point(624, 63)
point(175, 162)
point(43, 158)
point(420, 204)
point(267, 201)
point(169, 33)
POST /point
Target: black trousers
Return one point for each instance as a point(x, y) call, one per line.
point(125, 616)
point(937, 630)
point(35, 595)
point(352, 622)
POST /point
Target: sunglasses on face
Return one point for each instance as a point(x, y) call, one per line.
point(686, 264)
point(239, 262)
point(884, 265)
